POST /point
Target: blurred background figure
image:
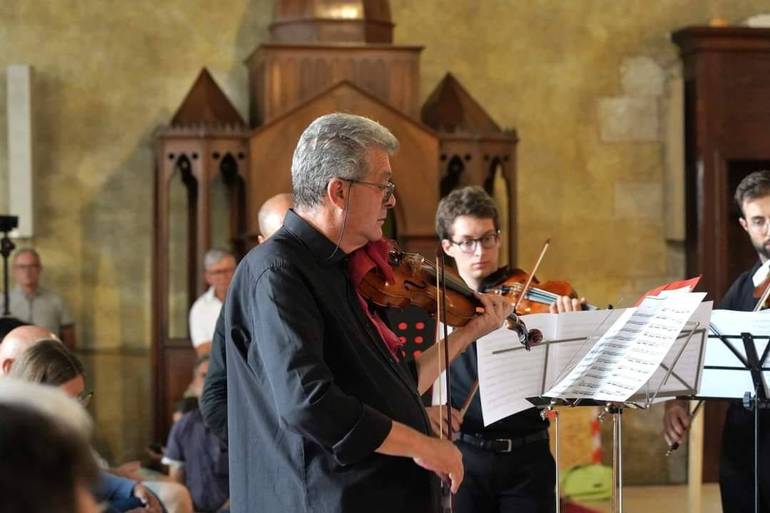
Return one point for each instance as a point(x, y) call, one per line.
point(33, 304)
point(45, 461)
point(219, 265)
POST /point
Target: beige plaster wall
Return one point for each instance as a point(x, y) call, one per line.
point(108, 73)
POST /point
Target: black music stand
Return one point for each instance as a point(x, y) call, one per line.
point(729, 373)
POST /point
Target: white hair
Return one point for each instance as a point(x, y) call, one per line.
point(49, 401)
point(214, 255)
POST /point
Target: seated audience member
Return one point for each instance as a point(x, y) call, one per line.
point(19, 340)
point(186, 404)
point(219, 266)
point(214, 397)
point(48, 362)
point(31, 303)
point(198, 459)
point(200, 371)
point(271, 214)
point(45, 461)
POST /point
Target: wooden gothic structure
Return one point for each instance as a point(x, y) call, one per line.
point(213, 171)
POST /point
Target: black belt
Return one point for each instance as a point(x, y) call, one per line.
point(502, 444)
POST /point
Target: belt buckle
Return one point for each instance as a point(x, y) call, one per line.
point(507, 441)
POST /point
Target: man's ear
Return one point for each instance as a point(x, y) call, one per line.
point(336, 192)
point(446, 245)
point(744, 224)
point(7, 366)
point(260, 239)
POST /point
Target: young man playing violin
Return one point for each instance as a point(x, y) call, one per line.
point(508, 464)
point(736, 466)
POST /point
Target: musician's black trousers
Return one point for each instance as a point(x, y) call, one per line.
point(521, 481)
point(736, 468)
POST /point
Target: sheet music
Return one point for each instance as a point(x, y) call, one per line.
point(508, 374)
point(685, 360)
point(733, 379)
point(628, 354)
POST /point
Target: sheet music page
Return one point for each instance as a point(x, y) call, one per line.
point(685, 371)
point(576, 333)
point(507, 372)
point(731, 380)
point(628, 354)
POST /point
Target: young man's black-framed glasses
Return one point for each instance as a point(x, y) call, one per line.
point(389, 187)
point(487, 241)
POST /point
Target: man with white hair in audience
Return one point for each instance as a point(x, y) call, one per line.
point(219, 266)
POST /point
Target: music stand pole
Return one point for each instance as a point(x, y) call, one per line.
point(617, 456)
point(6, 248)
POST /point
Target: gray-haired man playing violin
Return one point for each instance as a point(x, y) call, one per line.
point(508, 464)
point(324, 415)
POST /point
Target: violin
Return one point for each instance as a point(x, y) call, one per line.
point(762, 295)
point(414, 284)
point(537, 299)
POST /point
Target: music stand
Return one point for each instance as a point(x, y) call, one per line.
point(678, 374)
point(736, 367)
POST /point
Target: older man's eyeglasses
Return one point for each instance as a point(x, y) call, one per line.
point(487, 241)
point(389, 187)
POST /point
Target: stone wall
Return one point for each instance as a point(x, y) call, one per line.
point(587, 84)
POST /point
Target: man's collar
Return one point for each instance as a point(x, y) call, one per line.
point(317, 243)
point(35, 293)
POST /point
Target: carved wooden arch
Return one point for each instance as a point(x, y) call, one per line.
point(453, 174)
point(507, 210)
point(173, 356)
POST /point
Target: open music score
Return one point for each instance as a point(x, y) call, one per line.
point(606, 355)
point(628, 354)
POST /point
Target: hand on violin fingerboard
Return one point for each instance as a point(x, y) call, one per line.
point(567, 304)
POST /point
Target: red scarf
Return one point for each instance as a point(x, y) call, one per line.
point(365, 259)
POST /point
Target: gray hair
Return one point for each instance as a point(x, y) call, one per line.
point(48, 400)
point(214, 255)
point(334, 145)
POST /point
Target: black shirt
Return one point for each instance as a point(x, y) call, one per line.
point(464, 372)
point(312, 389)
point(740, 295)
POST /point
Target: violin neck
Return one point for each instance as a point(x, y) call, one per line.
point(542, 296)
point(452, 283)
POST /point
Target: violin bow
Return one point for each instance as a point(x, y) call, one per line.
point(546, 244)
point(443, 355)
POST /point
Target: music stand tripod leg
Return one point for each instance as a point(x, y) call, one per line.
point(617, 457)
